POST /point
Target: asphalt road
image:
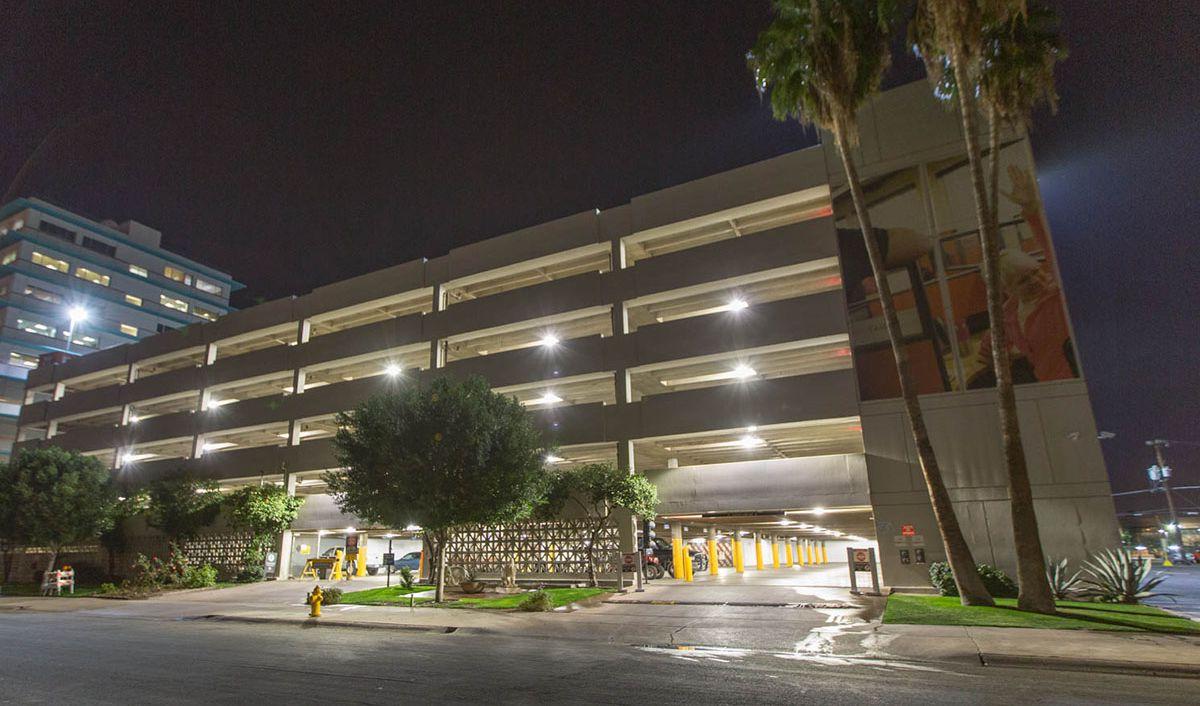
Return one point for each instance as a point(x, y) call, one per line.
point(1183, 583)
point(74, 658)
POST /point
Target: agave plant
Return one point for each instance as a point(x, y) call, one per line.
point(1117, 577)
point(1063, 583)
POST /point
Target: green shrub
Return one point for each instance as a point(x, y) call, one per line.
point(1118, 577)
point(406, 578)
point(331, 595)
point(199, 576)
point(536, 602)
point(107, 589)
point(1063, 584)
point(995, 581)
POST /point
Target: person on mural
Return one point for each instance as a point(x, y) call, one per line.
point(1033, 311)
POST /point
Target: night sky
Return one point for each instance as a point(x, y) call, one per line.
point(301, 143)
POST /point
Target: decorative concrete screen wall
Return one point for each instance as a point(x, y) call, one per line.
point(539, 549)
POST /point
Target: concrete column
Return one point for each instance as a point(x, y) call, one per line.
point(626, 540)
point(131, 375)
point(126, 413)
point(758, 562)
point(285, 538)
point(739, 559)
point(774, 552)
point(51, 428)
point(298, 379)
point(787, 549)
point(60, 389)
point(210, 353)
point(197, 446)
point(712, 551)
point(824, 554)
point(303, 331)
point(625, 458)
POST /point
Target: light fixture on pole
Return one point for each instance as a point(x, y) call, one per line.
point(76, 315)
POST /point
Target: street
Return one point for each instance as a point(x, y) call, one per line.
point(74, 657)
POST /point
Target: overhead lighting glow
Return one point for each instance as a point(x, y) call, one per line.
point(135, 457)
point(350, 530)
point(549, 340)
point(546, 398)
point(77, 314)
point(392, 370)
point(737, 304)
point(818, 511)
point(218, 445)
point(213, 404)
point(741, 372)
point(750, 442)
point(412, 528)
point(551, 458)
point(134, 419)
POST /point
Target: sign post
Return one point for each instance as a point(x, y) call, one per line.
point(863, 560)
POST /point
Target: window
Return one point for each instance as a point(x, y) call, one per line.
point(42, 294)
point(99, 246)
point(172, 303)
point(37, 327)
point(24, 360)
point(82, 339)
point(93, 277)
point(206, 286)
point(9, 255)
point(177, 274)
point(50, 262)
point(132, 299)
point(138, 270)
point(129, 330)
point(162, 328)
point(205, 313)
point(57, 231)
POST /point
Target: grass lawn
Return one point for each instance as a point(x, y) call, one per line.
point(35, 589)
point(1072, 615)
point(558, 596)
point(395, 595)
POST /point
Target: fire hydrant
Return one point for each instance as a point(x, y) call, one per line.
point(314, 601)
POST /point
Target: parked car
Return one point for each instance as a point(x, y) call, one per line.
point(666, 557)
point(411, 560)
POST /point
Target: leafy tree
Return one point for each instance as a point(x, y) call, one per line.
point(596, 490)
point(450, 455)
point(115, 539)
point(9, 534)
point(60, 498)
point(1003, 53)
point(180, 507)
point(822, 60)
point(265, 511)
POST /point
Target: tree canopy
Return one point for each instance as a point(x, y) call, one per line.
point(59, 498)
point(182, 506)
point(452, 454)
point(597, 488)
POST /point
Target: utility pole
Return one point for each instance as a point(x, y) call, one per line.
point(1163, 476)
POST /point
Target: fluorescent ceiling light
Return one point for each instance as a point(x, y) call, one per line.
point(741, 372)
point(307, 386)
point(218, 445)
point(303, 434)
point(213, 404)
point(392, 370)
point(549, 340)
point(737, 304)
point(135, 457)
point(750, 442)
point(547, 398)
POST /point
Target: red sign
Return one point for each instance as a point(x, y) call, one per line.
point(908, 530)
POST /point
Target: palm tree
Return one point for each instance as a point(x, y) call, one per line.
point(822, 60)
point(996, 51)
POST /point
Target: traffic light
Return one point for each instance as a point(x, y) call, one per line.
point(648, 534)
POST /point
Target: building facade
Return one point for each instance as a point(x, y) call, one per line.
point(718, 336)
point(70, 285)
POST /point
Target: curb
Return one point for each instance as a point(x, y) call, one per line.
point(317, 622)
point(1091, 665)
point(738, 604)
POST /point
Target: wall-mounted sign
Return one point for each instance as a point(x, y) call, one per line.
point(908, 530)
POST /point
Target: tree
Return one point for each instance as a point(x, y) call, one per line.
point(596, 490)
point(9, 534)
point(115, 539)
point(822, 60)
point(450, 455)
point(998, 54)
point(181, 506)
point(265, 511)
point(60, 498)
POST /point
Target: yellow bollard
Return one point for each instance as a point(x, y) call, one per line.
point(360, 562)
point(337, 574)
point(800, 552)
point(824, 555)
point(812, 555)
point(787, 546)
point(758, 554)
point(314, 601)
point(738, 564)
point(775, 553)
point(712, 557)
point(677, 558)
point(420, 563)
point(687, 564)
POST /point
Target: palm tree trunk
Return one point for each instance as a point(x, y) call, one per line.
point(962, 564)
point(443, 540)
point(1035, 592)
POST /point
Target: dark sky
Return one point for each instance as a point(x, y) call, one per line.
point(302, 143)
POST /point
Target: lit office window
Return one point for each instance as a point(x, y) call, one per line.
point(93, 277)
point(50, 262)
point(205, 313)
point(138, 270)
point(129, 330)
point(82, 339)
point(37, 327)
point(177, 274)
point(131, 299)
point(42, 294)
point(206, 286)
point(172, 303)
point(22, 359)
